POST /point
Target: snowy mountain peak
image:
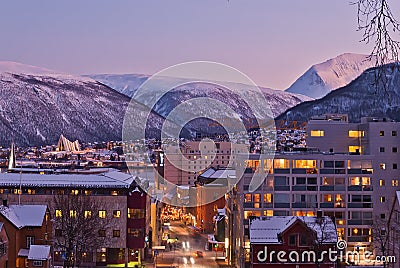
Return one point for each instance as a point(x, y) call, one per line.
point(10, 67)
point(332, 74)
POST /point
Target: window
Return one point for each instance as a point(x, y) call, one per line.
point(135, 232)
point(394, 133)
point(58, 232)
point(382, 199)
point(355, 149)
point(38, 263)
point(116, 233)
point(292, 240)
point(102, 233)
point(3, 248)
point(382, 166)
point(88, 213)
point(383, 216)
point(381, 133)
point(303, 240)
point(102, 214)
point(381, 182)
point(317, 133)
point(135, 213)
point(394, 149)
point(395, 183)
point(356, 133)
point(72, 213)
point(394, 166)
point(281, 163)
point(381, 149)
point(58, 213)
point(30, 240)
point(269, 213)
point(117, 213)
point(305, 163)
point(328, 198)
point(74, 192)
point(267, 198)
point(247, 198)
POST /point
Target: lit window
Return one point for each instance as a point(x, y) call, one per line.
point(31, 191)
point(72, 213)
point(247, 198)
point(88, 213)
point(136, 213)
point(269, 213)
point(117, 213)
point(355, 149)
point(114, 192)
point(267, 198)
point(327, 198)
point(305, 163)
point(382, 199)
point(382, 166)
point(381, 182)
point(102, 214)
point(281, 163)
point(58, 213)
point(395, 183)
point(381, 133)
point(317, 133)
point(74, 192)
point(356, 133)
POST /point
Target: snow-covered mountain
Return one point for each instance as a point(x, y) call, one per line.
point(324, 77)
point(127, 84)
point(38, 105)
point(358, 99)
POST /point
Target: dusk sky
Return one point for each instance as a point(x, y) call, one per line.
point(273, 42)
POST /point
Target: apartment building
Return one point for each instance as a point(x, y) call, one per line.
point(125, 206)
point(375, 137)
point(350, 174)
point(183, 164)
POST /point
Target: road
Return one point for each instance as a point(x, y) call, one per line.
point(184, 254)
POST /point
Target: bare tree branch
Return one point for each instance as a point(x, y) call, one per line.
point(379, 26)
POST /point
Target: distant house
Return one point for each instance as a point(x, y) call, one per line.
point(27, 226)
point(39, 256)
point(296, 242)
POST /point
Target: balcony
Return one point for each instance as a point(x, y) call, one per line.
point(327, 205)
point(282, 171)
point(304, 205)
point(281, 188)
point(282, 205)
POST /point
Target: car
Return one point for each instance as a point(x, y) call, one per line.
point(199, 254)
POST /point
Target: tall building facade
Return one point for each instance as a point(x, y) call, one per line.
point(126, 207)
point(351, 174)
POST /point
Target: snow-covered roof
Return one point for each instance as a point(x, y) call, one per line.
point(23, 252)
point(266, 230)
point(218, 174)
point(113, 179)
point(39, 252)
point(208, 173)
point(24, 215)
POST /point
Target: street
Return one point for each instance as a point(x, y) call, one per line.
point(186, 247)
